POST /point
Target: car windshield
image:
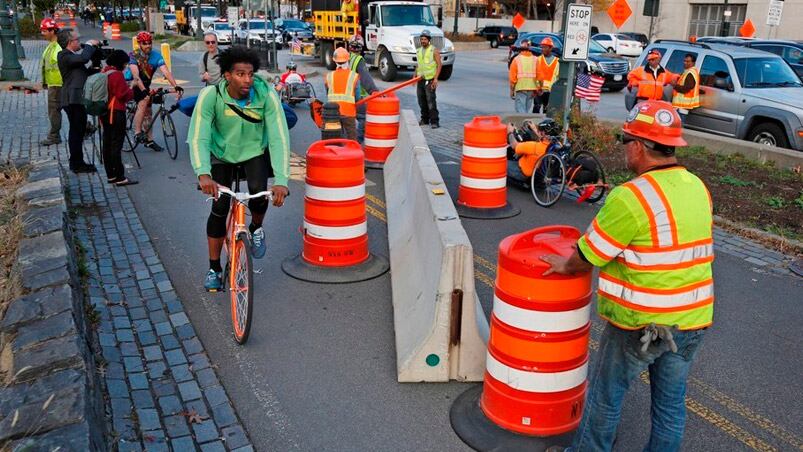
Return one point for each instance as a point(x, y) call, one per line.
point(258, 25)
point(293, 24)
point(206, 12)
point(765, 73)
point(398, 15)
point(595, 47)
point(170, 17)
point(222, 26)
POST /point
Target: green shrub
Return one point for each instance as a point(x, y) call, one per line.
point(28, 28)
point(131, 26)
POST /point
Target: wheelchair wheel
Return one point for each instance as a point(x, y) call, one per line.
point(548, 180)
point(599, 191)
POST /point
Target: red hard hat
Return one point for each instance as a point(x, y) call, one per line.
point(48, 24)
point(547, 42)
point(656, 121)
point(143, 37)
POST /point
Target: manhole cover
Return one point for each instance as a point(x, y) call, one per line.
point(797, 267)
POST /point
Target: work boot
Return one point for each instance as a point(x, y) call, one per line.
point(435, 125)
point(83, 168)
point(50, 141)
point(422, 122)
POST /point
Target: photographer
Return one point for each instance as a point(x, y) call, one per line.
point(114, 122)
point(74, 63)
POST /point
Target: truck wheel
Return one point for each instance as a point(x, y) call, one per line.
point(387, 68)
point(328, 55)
point(446, 72)
point(769, 133)
point(494, 43)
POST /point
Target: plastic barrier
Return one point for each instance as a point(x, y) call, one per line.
point(439, 323)
point(116, 32)
point(537, 364)
point(483, 170)
point(335, 222)
point(381, 129)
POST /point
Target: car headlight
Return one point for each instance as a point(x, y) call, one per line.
point(404, 49)
point(448, 48)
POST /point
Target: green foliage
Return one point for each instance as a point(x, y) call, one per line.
point(44, 5)
point(776, 202)
point(130, 26)
point(590, 134)
point(799, 201)
point(736, 182)
point(28, 29)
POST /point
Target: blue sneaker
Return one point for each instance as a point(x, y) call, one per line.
point(213, 281)
point(258, 242)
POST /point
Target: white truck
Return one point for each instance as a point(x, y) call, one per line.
point(391, 30)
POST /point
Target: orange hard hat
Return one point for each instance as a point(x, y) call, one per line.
point(653, 55)
point(341, 55)
point(547, 42)
point(656, 121)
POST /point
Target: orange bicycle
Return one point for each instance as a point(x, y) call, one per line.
point(239, 271)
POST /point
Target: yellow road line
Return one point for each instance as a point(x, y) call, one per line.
point(376, 213)
point(485, 263)
point(375, 200)
point(727, 426)
point(484, 278)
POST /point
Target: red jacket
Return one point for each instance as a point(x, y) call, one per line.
point(119, 91)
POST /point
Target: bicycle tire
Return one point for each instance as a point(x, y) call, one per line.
point(169, 133)
point(549, 174)
point(600, 191)
point(241, 284)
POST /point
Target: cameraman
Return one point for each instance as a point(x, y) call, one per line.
point(74, 63)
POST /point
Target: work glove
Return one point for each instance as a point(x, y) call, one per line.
point(658, 339)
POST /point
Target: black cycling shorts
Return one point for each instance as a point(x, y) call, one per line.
point(256, 176)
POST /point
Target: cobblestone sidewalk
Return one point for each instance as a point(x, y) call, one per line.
point(447, 141)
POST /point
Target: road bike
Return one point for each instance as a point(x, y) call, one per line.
point(239, 271)
point(560, 168)
point(164, 114)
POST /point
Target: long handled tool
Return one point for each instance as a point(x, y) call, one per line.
point(390, 90)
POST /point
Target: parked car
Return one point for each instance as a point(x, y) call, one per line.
point(256, 31)
point(790, 51)
point(497, 35)
point(222, 30)
point(613, 67)
point(170, 21)
point(640, 37)
point(294, 28)
point(745, 93)
point(619, 43)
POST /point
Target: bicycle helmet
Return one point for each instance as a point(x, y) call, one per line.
point(291, 66)
point(143, 37)
point(549, 127)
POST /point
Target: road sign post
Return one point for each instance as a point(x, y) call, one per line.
point(774, 15)
point(575, 49)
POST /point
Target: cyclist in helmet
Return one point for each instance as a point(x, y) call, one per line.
point(528, 145)
point(143, 64)
point(292, 75)
point(367, 85)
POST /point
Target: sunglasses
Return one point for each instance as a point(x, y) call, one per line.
point(210, 42)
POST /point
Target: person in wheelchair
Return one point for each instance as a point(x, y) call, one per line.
point(526, 146)
point(292, 76)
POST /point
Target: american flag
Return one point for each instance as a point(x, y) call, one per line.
point(296, 45)
point(589, 87)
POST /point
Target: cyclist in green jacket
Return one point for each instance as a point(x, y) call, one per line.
point(234, 123)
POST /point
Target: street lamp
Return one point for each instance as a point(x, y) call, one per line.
point(11, 69)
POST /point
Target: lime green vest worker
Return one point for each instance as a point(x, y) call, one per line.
point(427, 66)
point(50, 67)
point(653, 242)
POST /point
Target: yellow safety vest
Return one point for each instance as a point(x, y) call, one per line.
point(547, 73)
point(653, 243)
point(690, 99)
point(525, 73)
point(427, 66)
point(50, 66)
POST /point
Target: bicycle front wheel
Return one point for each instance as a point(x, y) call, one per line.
point(548, 180)
point(169, 131)
point(241, 277)
point(599, 190)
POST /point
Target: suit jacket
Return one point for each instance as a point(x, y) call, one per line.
point(74, 71)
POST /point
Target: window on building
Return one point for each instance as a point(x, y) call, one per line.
point(715, 73)
point(675, 62)
point(707, 20)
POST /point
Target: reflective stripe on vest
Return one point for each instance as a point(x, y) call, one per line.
point(650, 87)
point(546, 73)
point(427, 66)
point(341, 83)
point(690, 99)
point(355, 61)
point(525, 73)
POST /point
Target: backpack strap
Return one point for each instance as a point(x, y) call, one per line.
point(239, 111)
point(206, 61)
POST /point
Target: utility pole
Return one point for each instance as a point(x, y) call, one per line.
point(274, 66)
point(726, 25)
point(456, 13)
point(11, 69)
point(567, 95)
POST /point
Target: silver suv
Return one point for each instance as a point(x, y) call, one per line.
point(744, 93)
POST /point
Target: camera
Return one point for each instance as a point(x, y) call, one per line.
point(102, 51)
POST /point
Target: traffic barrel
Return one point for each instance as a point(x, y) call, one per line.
point(107, 30)
point(335, 231)
point(73, 24)
point(115, 31)
point(483, 170)
point(381, 129)
point(537, 362)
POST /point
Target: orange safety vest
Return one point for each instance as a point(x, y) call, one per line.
point(689, 99)
point(342, 86)
point(648, 86)
point(546, 74)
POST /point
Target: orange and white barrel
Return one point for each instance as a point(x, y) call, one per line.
point(73, 24)
point(116, 32)
point(483, 169)
point(537, 362)
point(381, 128)
point(335, 221)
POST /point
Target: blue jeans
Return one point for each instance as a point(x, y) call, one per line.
point(523, 101)
point(620, 361)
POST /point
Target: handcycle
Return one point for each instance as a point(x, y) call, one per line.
point(295, 93)
point(163, 114)
point(239, 271)
point(560, 168)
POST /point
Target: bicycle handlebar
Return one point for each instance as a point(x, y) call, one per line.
point(245, 196)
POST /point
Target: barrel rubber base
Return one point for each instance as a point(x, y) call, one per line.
point(480, 433)
point(300, 269)
point(374, 165)
point(506, 211)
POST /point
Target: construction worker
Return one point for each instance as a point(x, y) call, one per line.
point(523, 82)
point(547, 70)
point(650, 79)
point(348, 6)
point(342, 88)
point(51, 80)
point(686, 95)
point(653, 243)
point(367, 85)
point(429, 68)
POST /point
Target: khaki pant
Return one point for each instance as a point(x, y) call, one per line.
point(54, 112)
point(349, 125)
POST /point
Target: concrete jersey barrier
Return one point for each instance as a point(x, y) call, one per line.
point(439, 324)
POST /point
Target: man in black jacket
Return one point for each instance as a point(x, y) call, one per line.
point(74, 62)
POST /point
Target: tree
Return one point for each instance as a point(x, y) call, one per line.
point(44, 6)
